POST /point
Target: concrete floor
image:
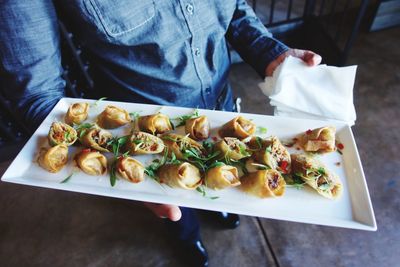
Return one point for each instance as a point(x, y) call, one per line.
point(42, 227)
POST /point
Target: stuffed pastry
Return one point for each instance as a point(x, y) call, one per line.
point(264, 183)
point(239, 127)
point(130, 169)
point(96, 138)
point(91, 162)
point(315, 174)
point(273, 154)
point(183, 175)
point(220, 177)
point(319, 140)
point(198, 128)
point(61, 133)
point(113, 117)
point(231, 148)
point(77, 113)
point(53, 159)
point(179, 144)
point(144, 143)
point(155, 124)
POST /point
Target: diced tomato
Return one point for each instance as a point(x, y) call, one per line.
point(283, 164)
point(214, 138)
point(308, 132)
point(340, 146)
point(86, 150)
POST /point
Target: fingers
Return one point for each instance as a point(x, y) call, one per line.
point(165, 211)
point(309, 57)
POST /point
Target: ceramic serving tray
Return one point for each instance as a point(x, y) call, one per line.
point(352, 210)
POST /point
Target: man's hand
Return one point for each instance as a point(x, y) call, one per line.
point(165, 211)
point(309, 57)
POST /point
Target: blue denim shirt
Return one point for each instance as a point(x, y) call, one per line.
point(153, 51)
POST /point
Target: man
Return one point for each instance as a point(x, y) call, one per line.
point(164, 52)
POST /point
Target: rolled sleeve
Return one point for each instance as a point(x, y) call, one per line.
point(30, 60)
point(251, 39)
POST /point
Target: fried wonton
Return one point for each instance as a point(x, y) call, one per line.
point(130, 169)
point(77, 113)
point(238, 127)
point(273, 154)
point(223, 176)
point(155, 124)
point(183, 175)
point(61, 134)
point(198, 128)
point(314, 173)
point(53, 159)
point(144, 143)
point(113, 117)
point(264, 183)
point(91, 162)
point(319, 140)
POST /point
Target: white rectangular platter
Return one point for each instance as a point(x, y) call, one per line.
point(352, 210)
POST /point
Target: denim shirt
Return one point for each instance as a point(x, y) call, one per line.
point(168, 52)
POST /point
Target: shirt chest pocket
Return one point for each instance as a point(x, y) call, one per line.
point(122, 21)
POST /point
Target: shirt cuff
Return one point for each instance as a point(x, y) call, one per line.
point(269, 49)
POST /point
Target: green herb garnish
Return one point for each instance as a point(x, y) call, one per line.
point(182, 119)
point(66, 179)
point(203, 192)
point(259, 142)
point(261, 130)
point(134, 115)
point(294, 181)
point(208, 146)
point(98, 101)
point(117, 143)
point(321, 171)
point(113, 176)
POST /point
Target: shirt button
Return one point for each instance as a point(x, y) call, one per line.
point(208, 90)
point(197, 51)
point(189, 9)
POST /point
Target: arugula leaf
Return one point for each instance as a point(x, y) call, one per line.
point(117, 143)
point(67, 179)
point(152, 169)
point(208, 145)
point(134, 115)
point(243, 151)
point(201, 189)
point(98, 101)
point(259, 142)
point(113, 176)
point(216, 164)
point(182, 119)
point(172, 124)
point(261, 130)
point(294, 181)
point(67, 135)
point(82, 128)
point(321, 171)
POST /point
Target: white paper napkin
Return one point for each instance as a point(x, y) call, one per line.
point(320, 92)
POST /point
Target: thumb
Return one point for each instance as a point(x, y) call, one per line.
point(164, 211)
